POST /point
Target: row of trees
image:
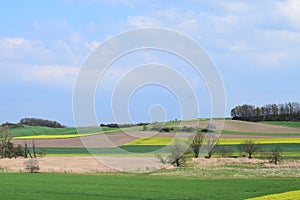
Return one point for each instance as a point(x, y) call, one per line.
point(40, 122)
point(271, 112)
point(179, 151)
point(9, 150)
point(115, 125)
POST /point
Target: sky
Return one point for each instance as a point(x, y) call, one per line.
point(255, 46)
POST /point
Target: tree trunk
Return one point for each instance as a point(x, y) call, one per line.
point(209, 155)
point(177, 162)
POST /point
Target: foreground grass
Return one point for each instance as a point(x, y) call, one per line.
point(67, 186)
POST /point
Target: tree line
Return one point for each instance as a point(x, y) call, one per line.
point(9, 150)
point(289, 111)
point(40, 122)
point(180, 152)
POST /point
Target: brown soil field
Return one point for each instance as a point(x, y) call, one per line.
point(109, 140)
point(78, 164)
point(243, 126)
point(93, 141)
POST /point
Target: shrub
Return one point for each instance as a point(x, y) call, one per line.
point(275, 155)
point(32, 165)
point(249, 147)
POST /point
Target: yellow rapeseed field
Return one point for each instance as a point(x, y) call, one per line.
point(293, 195)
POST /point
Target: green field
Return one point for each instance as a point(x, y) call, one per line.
point(39, 132)
point(289, 150)
point(67, 186)
point(123, 150)
point(283, 123)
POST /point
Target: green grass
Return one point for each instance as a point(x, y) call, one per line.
point(123, 150)
point(38, 132)
point(285, 147)
point(289, 150)
point(283, 123)
point(106, 187)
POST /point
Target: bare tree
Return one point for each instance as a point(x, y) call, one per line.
point(197, 143)
point(249, 147)
point(275, 155)
point(27, 151)
point(33, 149)
point(178, 152)
point(210, 143)
point(5, 136)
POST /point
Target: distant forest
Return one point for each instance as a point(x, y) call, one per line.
point(271, 112)
point(40, 122)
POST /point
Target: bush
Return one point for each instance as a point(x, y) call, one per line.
point(275, 155)
point(32, 165)
point(156, 126)
point(187, 129)
point(167, 129)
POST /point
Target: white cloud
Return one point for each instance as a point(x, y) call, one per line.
point(58, 75)
point(21, 49)
point(143, 21)
point(62, 76)
point(255, 31)
point(291, 11)
point(239, 7)
point(271, 58)
point(14, 41)
point(92, 45)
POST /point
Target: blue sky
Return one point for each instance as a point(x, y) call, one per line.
point(254, 44)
